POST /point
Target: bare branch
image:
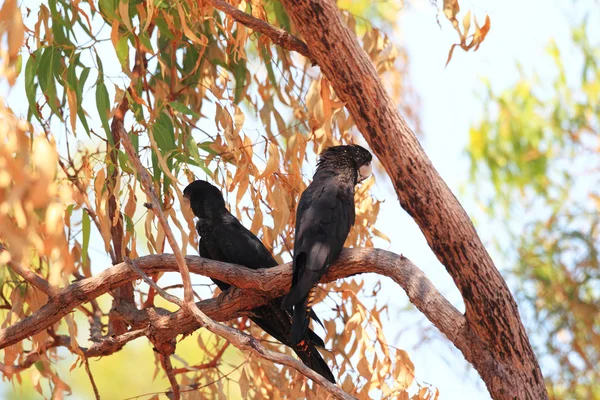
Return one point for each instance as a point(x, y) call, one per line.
point(105, 347)
point(92, 381)
point(255, 288)
point(165, 360)
point(277, 35)
point(146, 278)
point(211, 364)
point(31, 277)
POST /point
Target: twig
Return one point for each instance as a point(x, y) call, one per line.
point(105, 347)
point(168, 367)
point(146, 278)
point(277, 35)
point(31, 277)
point(89, 372)
point(211, 364)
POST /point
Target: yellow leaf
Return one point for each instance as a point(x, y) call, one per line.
point(364, 368)
point(381, 235)
point(466, 23)
point(272, 162)
point(54, 214)
point(450, 54)
point(451, 8)
point(72, 99)
point(15, 35)
point(186, 29)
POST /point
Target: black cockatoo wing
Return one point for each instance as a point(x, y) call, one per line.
point(323, 220)
point(237, 245)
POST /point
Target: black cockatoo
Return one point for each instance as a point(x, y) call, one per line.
point(324, 217)
point(224, 238)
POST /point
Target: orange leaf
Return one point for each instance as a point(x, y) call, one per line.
point(186, 29)
point(481, 33)
point(114, 33)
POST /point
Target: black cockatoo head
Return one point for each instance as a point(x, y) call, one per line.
point(352, 158)
point(205, 199)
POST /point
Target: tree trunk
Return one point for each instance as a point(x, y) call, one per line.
point(498, 346)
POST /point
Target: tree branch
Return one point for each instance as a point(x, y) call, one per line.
point(253, 289)
point(31, 277)
point(491, 311)
point(277, 35)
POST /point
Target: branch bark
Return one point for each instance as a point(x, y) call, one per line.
point(277, 35)
point(254, 288)
point(491, 312)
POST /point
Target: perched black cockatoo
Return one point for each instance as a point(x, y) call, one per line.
point(324, 217)
point(223, 238)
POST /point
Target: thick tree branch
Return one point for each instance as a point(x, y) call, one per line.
point(277, 35)
point(491, 311)
point(254, 288)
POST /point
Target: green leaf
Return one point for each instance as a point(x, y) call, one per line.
point(72, 73)
point(194, 158)
point(281, 14)
point(57, 25)
point(145, 40)
point(164, 133)
point(239, 73)
point(46, 78)
point(31, 68)
point(135, 141)
point(108, 9)
point(163, 27)
point(182, 108)
point(19, 64)
point(85, 228)
point(102, 102)
point(129, 226)
point(124, 163)
point(122, 49)
point(155, 168)
point(79, 90)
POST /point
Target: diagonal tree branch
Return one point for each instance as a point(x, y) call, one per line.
point(277, 35)
point(491, 312)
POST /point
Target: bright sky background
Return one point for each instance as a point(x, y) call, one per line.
point(520, 31)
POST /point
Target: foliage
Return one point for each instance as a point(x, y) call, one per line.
point(205, 97)
point(536, 154)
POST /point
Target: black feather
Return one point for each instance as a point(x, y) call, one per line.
point(223, 238)
point(324, 217)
